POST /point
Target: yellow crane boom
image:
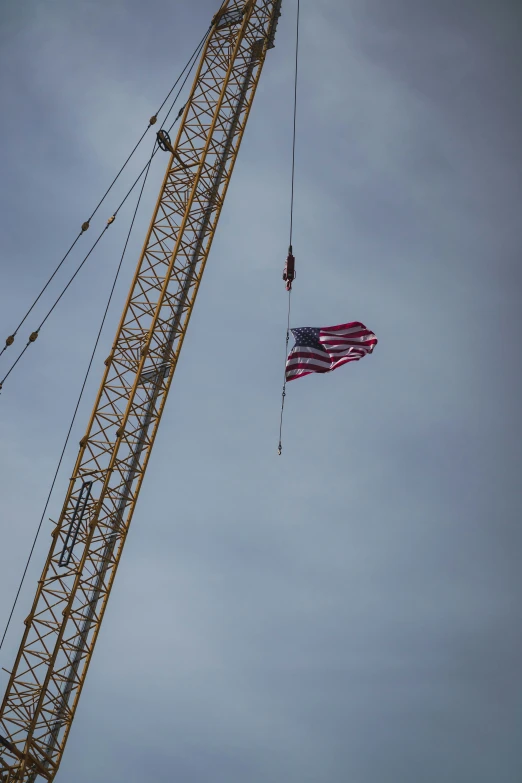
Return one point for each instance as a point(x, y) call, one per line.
point(87, 543)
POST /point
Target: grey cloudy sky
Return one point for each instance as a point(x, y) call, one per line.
point(351, 610)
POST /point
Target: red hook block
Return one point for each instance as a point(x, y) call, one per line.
point(289, 270)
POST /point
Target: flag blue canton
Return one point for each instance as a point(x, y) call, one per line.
point(308, 337)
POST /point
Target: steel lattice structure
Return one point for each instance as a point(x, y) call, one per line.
point(87, 543)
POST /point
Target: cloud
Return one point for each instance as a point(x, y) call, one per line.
point(347, 611)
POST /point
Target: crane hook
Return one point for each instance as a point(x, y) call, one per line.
point(289, 270)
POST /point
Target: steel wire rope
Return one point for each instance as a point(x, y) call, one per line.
point(295, 124)
point(190, 64)
point(35, 334)
point(146, 171)
point(292, 193)
point(67, 438)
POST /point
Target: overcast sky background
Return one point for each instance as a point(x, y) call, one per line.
point(351, 610)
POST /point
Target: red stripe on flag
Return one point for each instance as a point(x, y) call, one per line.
point(341, 327)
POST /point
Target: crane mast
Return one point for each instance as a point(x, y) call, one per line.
point(87, 543)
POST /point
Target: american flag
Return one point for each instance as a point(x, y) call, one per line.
point(323, 350)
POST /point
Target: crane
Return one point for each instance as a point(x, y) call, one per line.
point(63, 624)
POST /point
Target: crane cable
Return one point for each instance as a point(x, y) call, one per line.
point(67, 438)
point(145, 171)
point(283, 396)
point(85, 226)
point(34, 335)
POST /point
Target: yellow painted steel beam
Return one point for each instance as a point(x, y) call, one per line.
point(62, 627)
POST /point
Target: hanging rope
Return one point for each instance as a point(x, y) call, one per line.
point(34, 335)
point(289, 273)
point(145, 171)
point(116, 276)
point(85, 226)
point(283, 396)
point(295, 120)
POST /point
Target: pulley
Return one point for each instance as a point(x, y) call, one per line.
point(164, 142)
